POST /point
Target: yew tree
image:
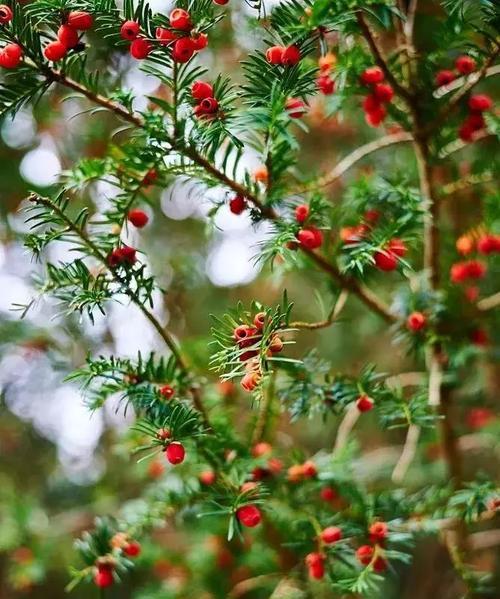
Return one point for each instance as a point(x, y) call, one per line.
point(315, 431)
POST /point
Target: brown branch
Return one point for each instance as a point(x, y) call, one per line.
point(349, 161)
point(96, 252)
point(408, 453)
point(380, 59)
point(366, 296)
point(322, 324)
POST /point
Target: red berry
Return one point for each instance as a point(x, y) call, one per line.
point(380, 564)
point(150, 177)
point(480, 103)
point(301, 213)
point(200, 41)
point(209, 106)
point(383, 92)
point(364, 554)
point(331, 534)
point(291, 56)
point(221, 2)
point(375, 117)
point(328, 494)
point(201, 90)
point(416, 321)
point(163, 434)
point(310, 238)
point(5, 14)
point(371, 103)
point(167, 391)
point(130, 30)
point(54, 51)
point(326, 85)
point(479, 337)
point(364, 403)
point(238, 204)
point(466, 133)
point(464, 245)
point(183, 49)
point(315, 563)
point(262, 448)
point(274, 54)
point(175, 452)
point(465, 64)
point(249, 515)
point(474, 122)
point(488, 244)
point(352, 234)
point(372, 216)
point(180, 19)
point(207, 477)
point(309, 469)
point(476, 269)
point(295, 108)
point(259, 320)
point(103, 578)
point(478, 418)
point(79, 19)
point(250, 381)
point(397, 246)
point(276, 344)
point(10, 56)
point(372, 75)
point(165, 36)
point(128, 254)
point(444, 77)
point(138, 218)
point(140, 48)
point(67, 36)
point(378, 532)
point(132, 549)
point(386, 260)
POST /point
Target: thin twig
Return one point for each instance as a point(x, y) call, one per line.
point(408, 453)
point(96, 252)
point(349, 161)
point(457, 83)
point(469, 181)
point(350, 418)
point(334, 312)
point(490, 302)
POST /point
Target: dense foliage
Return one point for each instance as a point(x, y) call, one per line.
point(221, 429)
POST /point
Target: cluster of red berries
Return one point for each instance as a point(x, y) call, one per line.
point(299, 472)
point(465, 65)
point(309, 237)
point(324, 82)
point(247, 336)
point(485, 244)
point(122, 256)
point(174, 450)
point(284, 56)
point(478, 104)
point(183, 46)
point(356, 233)
point(416, 321)
point(11, 54)
point(385, 259)
point(105, 566)
point(272, 466)
point(382, 93)
point(207, 106)
point(366, 554)
point(68, 36)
